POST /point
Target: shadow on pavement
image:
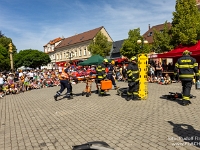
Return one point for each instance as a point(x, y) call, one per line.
point(176, 97)
point(122, 91)
point(172, 97)
point(186, 133)
point(64, 96)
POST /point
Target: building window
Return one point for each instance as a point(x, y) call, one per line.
point(84, 53)
point(57, 56)
point(64, 56)
point(89, 53)
point(75, 54)
point(60, 55)
point(150, 34)
point(80, 52)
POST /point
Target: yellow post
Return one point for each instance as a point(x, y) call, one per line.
point(143, 70)
point(11, 56)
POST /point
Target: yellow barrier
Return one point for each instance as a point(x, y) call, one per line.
point(143, 70)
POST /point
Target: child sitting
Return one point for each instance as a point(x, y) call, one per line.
point(5, 89)
point(167, 79)
point(1, 92)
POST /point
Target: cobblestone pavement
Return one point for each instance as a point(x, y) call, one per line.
point(33, 120)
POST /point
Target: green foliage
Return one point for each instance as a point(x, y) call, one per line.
point(185, 23)
point(130, 47)
point(31, 58)
point(4, 41)
point(4, 52)
point(4, 59)
point(1, 34)
point(100, 46)
point(162, 40)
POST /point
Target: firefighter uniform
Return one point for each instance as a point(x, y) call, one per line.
point(133, 79)
point(110, 74)
point(101, 74)
point(187, 67)
point(64, 83)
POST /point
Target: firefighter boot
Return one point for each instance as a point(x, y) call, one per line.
point(136, 97)
point(129, 97)
point(186, 102)
point(97, 91)
point(69, 96)
point(116, 87)
point(56, 96)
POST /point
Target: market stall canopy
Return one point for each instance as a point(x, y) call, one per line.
point(178, 52)
point(93, 60)
point(24, 68)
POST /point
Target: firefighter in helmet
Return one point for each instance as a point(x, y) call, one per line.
point(133, 79)
point(101, 75)
point(187, 67)
point(110, 73)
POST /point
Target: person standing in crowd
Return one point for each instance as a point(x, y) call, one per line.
point(133, 79)
point(110, 73)
point(65, 83)
point(101, 74)
point(159, 70)
point(186, 66)
point(124, 72)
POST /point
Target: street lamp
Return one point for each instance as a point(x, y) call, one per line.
point(142, 42)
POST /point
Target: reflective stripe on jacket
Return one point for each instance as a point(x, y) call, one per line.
point(132, 72)
point(100, 71)
point(187, 68)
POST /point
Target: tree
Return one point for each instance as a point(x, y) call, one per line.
point(100, 45)
point(185, 23)
point(162, 40)
point(1, 34)
point(5, 41)
point(31, 58)
point(130, 47)
point(4, 59)
point(4, 52)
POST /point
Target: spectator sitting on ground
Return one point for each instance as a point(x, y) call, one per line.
point(167, 79)
point(161, 81)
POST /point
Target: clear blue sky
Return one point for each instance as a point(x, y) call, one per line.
point(33, 23)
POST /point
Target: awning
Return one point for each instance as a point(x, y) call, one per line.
point(120, 60)
point(178, 52)
point(61, 63)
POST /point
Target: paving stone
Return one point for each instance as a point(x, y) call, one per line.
point(33, 120)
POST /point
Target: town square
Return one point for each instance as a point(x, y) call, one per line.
point(100, 75)
point(33, 120)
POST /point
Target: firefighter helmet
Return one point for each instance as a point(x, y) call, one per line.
point(134, 58)
point(105, 60)
point(112, 62)
point(186, 52)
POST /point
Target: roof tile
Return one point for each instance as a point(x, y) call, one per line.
point(85, 36)
point(149, 34)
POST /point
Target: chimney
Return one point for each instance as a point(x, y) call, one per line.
point(149, 26)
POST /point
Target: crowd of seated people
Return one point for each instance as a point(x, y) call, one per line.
point(158, 73)
point(21, 81)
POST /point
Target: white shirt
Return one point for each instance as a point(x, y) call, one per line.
point(30, 74)
point(1, 80)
